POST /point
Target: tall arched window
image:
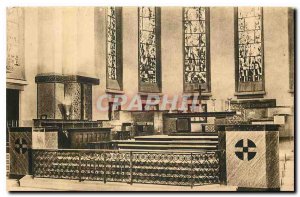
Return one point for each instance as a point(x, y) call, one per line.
point(149, 49)
point(196, 48)
point(249, 50)
point(114, 48)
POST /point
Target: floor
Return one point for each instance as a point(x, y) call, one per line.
point(286, 157)
point(42, 184)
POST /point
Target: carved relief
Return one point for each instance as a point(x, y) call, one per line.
point(15, 44)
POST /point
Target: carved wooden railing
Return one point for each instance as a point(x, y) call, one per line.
point(186, 168)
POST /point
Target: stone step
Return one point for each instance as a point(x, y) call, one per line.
point(280, 110)
point(194, 134)
point(167, 142)
point(189, 142)
point(174, 138)
point(160, 147)
point(262, 122)
point(269, 120)
point(170, 151)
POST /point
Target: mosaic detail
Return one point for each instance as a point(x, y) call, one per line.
point(209, 128)
point(250, 44)
point(111, 41)
point(56, 78)
point(87, 102)
point(131, 167)
point(147, 45)
point(59, 97)
point(73, 92)
point(238, 118)
point(195, 45)
point(116, 115)
point(46, 100)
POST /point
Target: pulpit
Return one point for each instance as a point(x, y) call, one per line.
point(64, 104)
point(66, 97)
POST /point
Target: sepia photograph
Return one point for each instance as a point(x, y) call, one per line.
point(150, 98)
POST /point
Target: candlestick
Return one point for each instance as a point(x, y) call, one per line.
point(229, 103)
point(213, 104)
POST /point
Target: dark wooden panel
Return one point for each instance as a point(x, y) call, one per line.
point(20, 141)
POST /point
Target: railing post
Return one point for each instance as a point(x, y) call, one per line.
point(131, 166)
point(192, 171)
point(222, 166)
point(104, 179)
point(95, 169)
point(33, 162)
point(79, 155)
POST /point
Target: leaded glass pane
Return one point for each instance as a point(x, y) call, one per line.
point(147, 45)
point(195, 45)
point(111, 43)
point(250, 44)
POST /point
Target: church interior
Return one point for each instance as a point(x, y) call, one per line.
point(214, 68)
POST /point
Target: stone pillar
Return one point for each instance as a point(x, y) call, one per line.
point(66, 38)
point(69, 39)
point(85, 42)
point(49, 40)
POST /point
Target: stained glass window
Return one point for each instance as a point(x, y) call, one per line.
point(111, 43)
point(195, 45)
point(249, 25)
point(147, 45)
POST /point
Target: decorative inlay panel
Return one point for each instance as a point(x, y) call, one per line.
point(111, 41)
point(46, 100)
point(73, 92)
point(87, 101)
